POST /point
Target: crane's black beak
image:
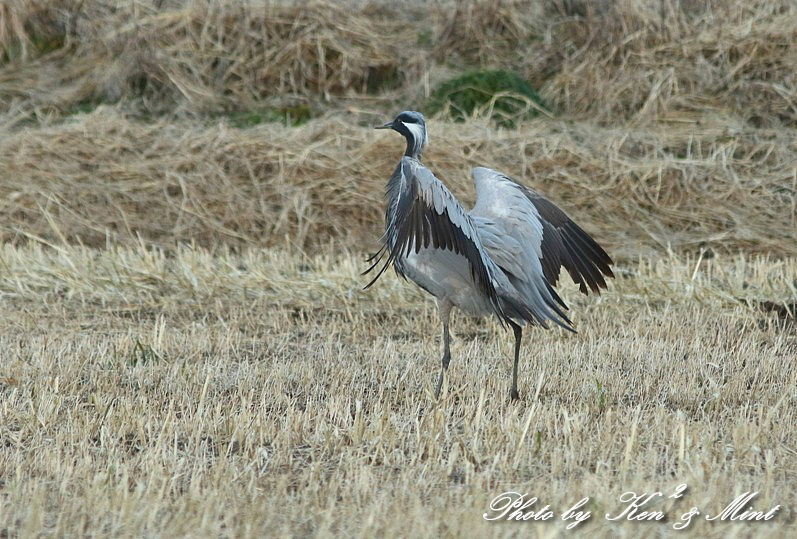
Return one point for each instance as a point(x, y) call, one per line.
point(388, 125)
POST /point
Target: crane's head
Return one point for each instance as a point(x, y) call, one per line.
point(412, 125)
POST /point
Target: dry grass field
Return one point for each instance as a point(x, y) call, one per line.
point(188, 190)
point(214, 394)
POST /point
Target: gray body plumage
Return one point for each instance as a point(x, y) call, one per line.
point(505, 231)
point(444, 273)
point(502, 257)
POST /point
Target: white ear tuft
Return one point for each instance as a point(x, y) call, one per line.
point(418, 133)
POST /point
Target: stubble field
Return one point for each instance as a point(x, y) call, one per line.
point(264, 393)
point(185, 346)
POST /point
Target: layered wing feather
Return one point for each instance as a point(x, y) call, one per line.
point(511, 231)
point(564, 243)
point(533, 238)
point(422, 213)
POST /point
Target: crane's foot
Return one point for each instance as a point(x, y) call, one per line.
point(513, 395)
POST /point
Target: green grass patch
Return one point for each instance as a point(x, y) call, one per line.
point(505, 96)
point(85, 106)
point(38, 45)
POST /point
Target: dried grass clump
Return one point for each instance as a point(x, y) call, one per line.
point(487, 33)
point(107, 178)
point(202, 56)
point(677, 126)
point(645, 60)
point(29, 27)
point(638, 60)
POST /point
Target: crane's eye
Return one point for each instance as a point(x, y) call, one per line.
point(408, 119)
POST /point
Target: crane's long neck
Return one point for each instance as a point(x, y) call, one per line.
point(416, 140)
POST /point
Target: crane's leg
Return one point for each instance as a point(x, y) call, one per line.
point(513, 394)
point(444, 307)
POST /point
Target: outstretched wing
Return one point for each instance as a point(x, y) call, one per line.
point(565, 243)
point(421, 213)
point(540, 226)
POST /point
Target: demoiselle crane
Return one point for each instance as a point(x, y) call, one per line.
point(502, 257)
